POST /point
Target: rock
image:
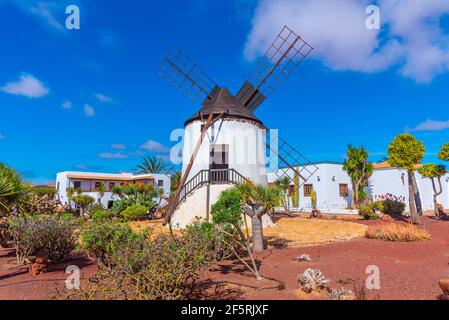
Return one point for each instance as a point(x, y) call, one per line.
point(340, 294)
point(312, 279)
point(444, 284)
point(315, 214)
point(38, 264)
point(304, 257)
point(387, 218)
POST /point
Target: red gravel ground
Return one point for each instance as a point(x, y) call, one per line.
point(407, 270)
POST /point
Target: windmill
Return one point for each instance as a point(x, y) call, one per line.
point(209, 153)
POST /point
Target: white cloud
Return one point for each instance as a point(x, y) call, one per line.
point(409, 39)
point(432, 125)
point(44, 10)
point(154, 146)
point(66, 105)
point(119, 146)
point(103, 98)
point(107, 155)
point(27, 86)
point(89, 111)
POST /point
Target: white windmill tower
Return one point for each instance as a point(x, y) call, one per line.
point(224, 142)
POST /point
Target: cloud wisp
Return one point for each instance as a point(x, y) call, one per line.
point(67, 105)
point(27, 86)
point(119, 146)
point(2, 137)
point(89, 111)
point(410, 38)
point(111, 155)
point(154, 146)
point(431, 125)
point(44, 11)
point(103, 98)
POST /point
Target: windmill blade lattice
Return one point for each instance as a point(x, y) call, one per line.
point(289, 162)
point(180, 70)
point(280, 60)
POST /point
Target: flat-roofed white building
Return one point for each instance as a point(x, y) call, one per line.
point(88, 183)
point(334, 187)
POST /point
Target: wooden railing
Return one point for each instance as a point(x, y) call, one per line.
point(218, 176)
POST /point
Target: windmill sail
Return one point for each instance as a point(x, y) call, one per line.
point(288, 162)
point(280, 60)
point(180, 70)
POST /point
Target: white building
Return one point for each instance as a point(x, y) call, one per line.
point(232, 151)
point(88, 182)
point(334, 188)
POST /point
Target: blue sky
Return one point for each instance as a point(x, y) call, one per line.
point(91, 99)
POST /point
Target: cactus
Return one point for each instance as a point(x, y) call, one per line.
point(295, 194)
point(313, 198)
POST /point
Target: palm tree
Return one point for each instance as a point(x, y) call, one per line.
point(101, 188)
point(284, 184)
point(175, 181)
point(152, 164)
point(359, 170)
point(14, 191)
point(258, 200)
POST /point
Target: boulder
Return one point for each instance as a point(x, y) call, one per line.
point(38, 264)
point(444, 284)
point(312, 279)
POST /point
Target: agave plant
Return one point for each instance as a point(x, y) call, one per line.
point(14, 191)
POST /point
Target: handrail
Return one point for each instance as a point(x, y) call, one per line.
point(213, 176)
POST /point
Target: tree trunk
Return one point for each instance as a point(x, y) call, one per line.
point(411, 199)
point(257, 230)
point(355, 194)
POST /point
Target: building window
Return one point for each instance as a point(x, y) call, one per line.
point(291, 190)
point(77, 184)
point(111, 185)
point(110, 204)
point(343, 189)
point(160, 183)
point(308, 190)
point(97, 185)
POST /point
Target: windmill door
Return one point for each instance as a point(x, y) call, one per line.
point(219, 163)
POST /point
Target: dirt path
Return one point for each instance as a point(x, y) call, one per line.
point(407, 270)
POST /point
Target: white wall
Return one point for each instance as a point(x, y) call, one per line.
point(390, 181)
point(63, 182)
point(325, 181)
point(246, 147)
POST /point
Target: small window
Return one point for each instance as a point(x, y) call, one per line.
point(97, 185)
point(160, 183)
point(110, 204)
point(308, 190)
point(77, 184)
point(343, 189)
point(291, 190)
point(111, 185)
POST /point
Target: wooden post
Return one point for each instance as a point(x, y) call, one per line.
point(172, 206)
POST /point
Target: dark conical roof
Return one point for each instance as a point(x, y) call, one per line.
point(223, 102)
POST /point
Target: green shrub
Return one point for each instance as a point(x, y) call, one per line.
point(393, 208)
point(101, 215)
point(67, 216)
point(31, 234)
point(228, 208)
point(103, 240)
point(94, 207)
point(220, 244)
point(51, 192)
point(368, 211)
point(135, 212)
point(161, 269)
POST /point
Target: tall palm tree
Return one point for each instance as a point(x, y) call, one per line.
point(359, 170)
point(14, 191)
point(258, 200)
point(152, 164)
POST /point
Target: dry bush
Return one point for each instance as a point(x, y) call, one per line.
point(396, 232)
point(163, 268)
